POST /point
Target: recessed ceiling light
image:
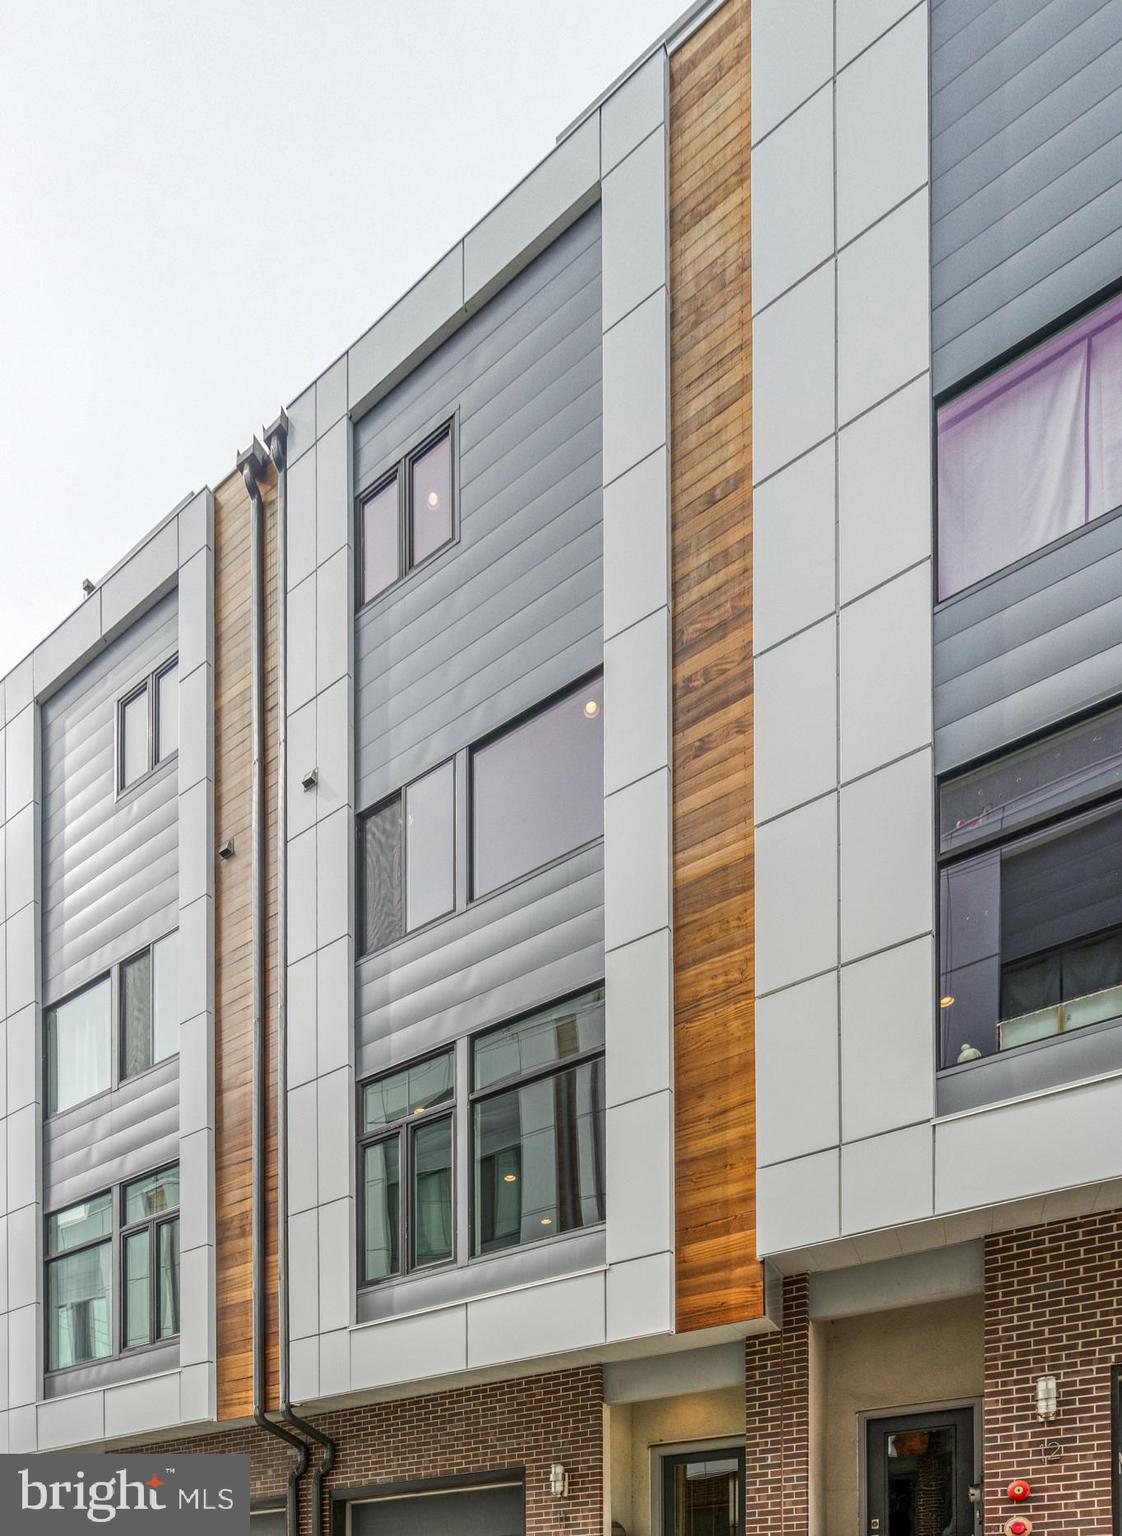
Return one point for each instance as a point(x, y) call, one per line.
point(547, 1221)
point(510, 1178)
point(946, 1002)
point(419, 1110)
point(433, 500)
point(591, 709)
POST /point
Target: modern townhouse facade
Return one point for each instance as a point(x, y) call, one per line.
point(563, 924)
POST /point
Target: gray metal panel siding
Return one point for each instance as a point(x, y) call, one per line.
point(514, 610)
point(537, 940)
point(110, 867)
point(1031, 647)
point(1026, 200)
point(117, 1136)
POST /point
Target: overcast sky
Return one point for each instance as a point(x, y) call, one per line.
point(202, 202)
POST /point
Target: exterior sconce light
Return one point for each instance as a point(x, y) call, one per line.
point(226, 849)
point(558, 1481)
point(1045, 1398)
point(310, 779)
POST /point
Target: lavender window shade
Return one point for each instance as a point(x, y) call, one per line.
point(1031, 453)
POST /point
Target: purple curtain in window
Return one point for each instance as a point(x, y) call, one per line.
point(1032, 452)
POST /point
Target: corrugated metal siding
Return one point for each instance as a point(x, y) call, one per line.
point(514, 611)
point(1031, 647)
point(1026, 199)
point(537, 940)
point(115, 1137)
point(501, 621)
point(110, 868)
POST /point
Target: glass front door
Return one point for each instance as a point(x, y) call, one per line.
point(919, 1471)
point(702, 1493)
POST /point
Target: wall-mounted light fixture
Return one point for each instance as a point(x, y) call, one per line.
point(558, 1481)
point(226, 849)
point(310, 779)
point(88, 587)
point(1046, 1395)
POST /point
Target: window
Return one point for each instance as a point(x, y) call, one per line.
point(407, 1146)
point(538, 1125)
point(150, 1262)
point(408, 515)
point(1032, 452)
point(150, 1006)
point(80, 1284)
point(148, 725)
point(80, 1035)
point(537, 790)
point(407, 851)
point(79, 1047)
point(80, 1258)
point(1031, 893)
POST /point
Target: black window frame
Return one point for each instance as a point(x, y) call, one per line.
point(403, 1130)
point(596, 675)
point(153, 1225)
point(149, 689)
point(49, 1259)
point(999, 839)
point(519, 1080)
point(117, 1075)
point(402, 470)
point(361, 820)
point(115, 1241)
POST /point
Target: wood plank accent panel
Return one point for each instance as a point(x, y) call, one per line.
point(719, 1279)
point(234, 943)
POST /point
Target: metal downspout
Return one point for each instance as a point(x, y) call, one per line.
point(277, 438)
point(253, 463)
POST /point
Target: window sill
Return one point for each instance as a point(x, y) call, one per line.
point(552, 1258)
point(152, 1360)
point(1027, 1070)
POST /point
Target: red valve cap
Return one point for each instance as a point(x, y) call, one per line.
point(1018, 1489)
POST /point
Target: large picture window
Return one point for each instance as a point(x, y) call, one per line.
point(406, 1160)
point(1031, 894)
point(91, 1259)
point(538, 1125)
point(537, 789)
point(1031, 453)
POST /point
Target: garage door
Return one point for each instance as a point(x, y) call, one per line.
point(495, 1510)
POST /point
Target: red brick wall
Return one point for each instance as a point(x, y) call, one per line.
point(1053, 1307)
point(777, 1409)
point(528, 1423)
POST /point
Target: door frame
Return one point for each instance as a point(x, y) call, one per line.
point(665, 1449)
point(870, 1416)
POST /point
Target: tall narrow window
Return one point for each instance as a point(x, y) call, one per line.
point(538, 1125)
point(150, 1006)
point(134, 738)
point(79, 1047)
point(80, 1283)
point(538, 789)
point(150, 1258)
point(430, 498)
point(407, 851)
point(167, 712)
point(381, 539)
point(407, 1146)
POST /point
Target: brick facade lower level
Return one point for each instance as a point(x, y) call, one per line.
point(525, 1424)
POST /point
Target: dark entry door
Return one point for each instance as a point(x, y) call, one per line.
point(919, 1468)
point(703, 1493)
